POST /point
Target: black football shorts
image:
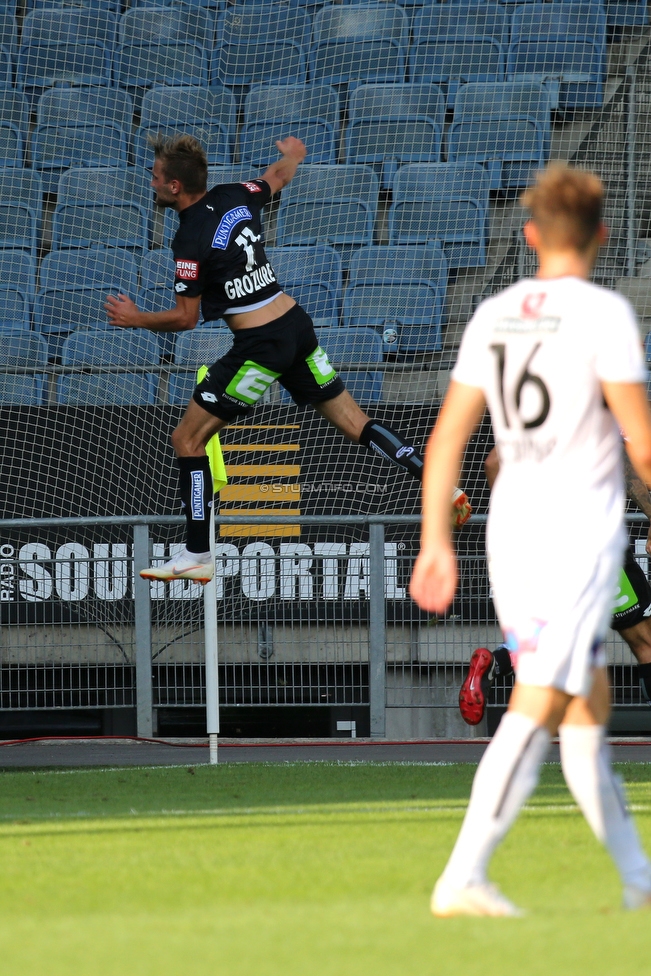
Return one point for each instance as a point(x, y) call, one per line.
point(286, 350)
point(633, 598)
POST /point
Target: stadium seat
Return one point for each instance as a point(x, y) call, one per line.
point(456, 61)
point(105, 268)
point(72, 106)
point(14, 109)
point(626, 13)
point(11, 145)
point(19, 268)
point(380, 115)
point(179, 105)
point(559, 20)
point(111, 348)
point(55, 148)
point(329, 205)
point(14, 305)
point(42, 66)
point(28, 350)
point(505, 126)
point(197, 348)
point(120, 184)
point(21, 193)
point(273, 61)
point(69, 26)
point(166, 25)
point(445, 202)
point(62, 310)
point(311, 275)
point(359, 43)
point(400, 292)
point(157, 269)
point(310, 112)
point(464, 20)
point(112, 5)
point(8, 31)
point(112, 224)
point(215, 139)
point(6, 68)
point(143, 65)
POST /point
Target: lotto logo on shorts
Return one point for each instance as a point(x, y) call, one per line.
point(196, 498)
point(252, 187)
point(189, 270)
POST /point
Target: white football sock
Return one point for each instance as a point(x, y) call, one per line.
point(505, 777)
point(585, 758)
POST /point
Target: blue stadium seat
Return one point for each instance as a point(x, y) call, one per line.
point(62, 310)
point(19, 268)
point(311, 275)
point(453, 62)
point(42, 66)
point(445, 202)
point(310, 112)
point(9, 30)
point(21, 193)
point(559, 20)
point(111, 224)
point(505, 126)
point(105, 268)
point(437, 21)
point(69, 26)
point(380, 115)
point(260, 62)
point(11, 145)
point(350, 346)
point(72, 106)
point(28, 350)
point(400, 292)
point(55, 148)
point(6, 68)
point(197, 348)
point(14, 305)
point(166, 25)
point(359, 43)
point(197, 105)
point(110, 348)
point(14, 109)
point(143, 65)
point(112, 5)
point(626, 13)
point(120, 184)
point(329, 205)
point(215, 139)
point(245, 24)
point(157, 269)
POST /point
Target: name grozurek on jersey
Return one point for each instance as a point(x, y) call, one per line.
point(539, 351)
point(219, 253)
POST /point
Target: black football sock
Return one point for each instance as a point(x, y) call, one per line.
point(195, 483)
point(644, 672)
point(385, 441)
point(503, 663)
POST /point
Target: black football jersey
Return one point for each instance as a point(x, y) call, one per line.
point(218, 250)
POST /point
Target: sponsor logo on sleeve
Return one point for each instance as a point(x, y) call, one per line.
point(180, 286)
point(188, 270)
point(252, 187)
point(227, 225)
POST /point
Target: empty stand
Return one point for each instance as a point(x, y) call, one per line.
point(394, 124)
point(505, 127)
point(436, 21)
point(359, 43)
point(69, 26)
point(55, 148)
point(311, 275)
point(262, 44)
point(114, 348)
point(455, 61)
point(310, 112)
point(401, 291)
point(106, 268)
point(197, 348)
point(22, 350)
point(165, 25)
point(71, 106)
point(21, 193)
point(114, 224)
point(445, 202)
point(138, 66)
point(42, 66)
point(19, 268)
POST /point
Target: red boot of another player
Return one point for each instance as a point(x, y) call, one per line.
point(474, 690)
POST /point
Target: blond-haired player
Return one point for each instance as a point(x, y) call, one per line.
point(558, 361)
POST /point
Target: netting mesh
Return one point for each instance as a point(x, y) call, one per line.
point(422, 121)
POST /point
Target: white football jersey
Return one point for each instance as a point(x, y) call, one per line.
point(539, 351)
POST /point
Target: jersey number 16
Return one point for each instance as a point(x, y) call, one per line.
point(525, 378)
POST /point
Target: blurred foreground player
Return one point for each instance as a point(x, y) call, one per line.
point(559, 363)
point(631, 613)
point(222, 270)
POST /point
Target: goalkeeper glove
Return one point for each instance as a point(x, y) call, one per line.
point(461, 508)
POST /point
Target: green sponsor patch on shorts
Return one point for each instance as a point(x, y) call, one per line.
point(251, 382)
point(625, 596)
point(320, 366)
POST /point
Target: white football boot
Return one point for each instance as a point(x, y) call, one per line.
point(197, 566)
point(479, 899)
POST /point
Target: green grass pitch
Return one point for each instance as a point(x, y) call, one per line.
point(296, 870)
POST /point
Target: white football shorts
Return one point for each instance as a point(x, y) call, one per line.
point(555, 613)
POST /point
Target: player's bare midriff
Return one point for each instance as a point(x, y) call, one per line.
point(260, 316)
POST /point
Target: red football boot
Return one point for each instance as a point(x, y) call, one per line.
point(474, 690)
